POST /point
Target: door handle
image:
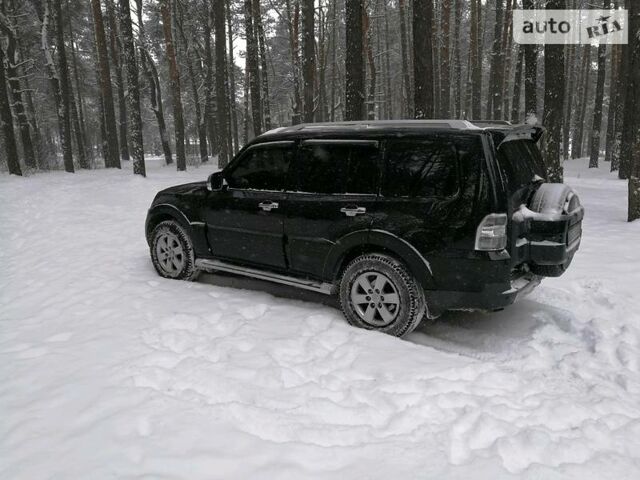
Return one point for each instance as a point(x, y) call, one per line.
point(268, 206)
point(353, 211)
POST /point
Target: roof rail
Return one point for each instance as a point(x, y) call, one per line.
point(491, 122)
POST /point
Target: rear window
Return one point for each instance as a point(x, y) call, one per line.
point(520, 161)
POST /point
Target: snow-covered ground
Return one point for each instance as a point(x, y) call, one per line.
point(108, 371)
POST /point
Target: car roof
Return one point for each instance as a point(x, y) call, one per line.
point(380, 129)
point(365, 129)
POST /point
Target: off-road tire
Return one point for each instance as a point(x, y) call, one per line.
point(412, 305)
point(173, 230)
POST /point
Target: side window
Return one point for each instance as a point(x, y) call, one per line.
point(421, 168)
point(337, 168)
point(262, 168)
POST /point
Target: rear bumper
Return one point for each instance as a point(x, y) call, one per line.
point(545, 239)
point(493, 296)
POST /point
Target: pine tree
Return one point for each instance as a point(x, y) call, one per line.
point(252, 67)
point(308, 59)
point(634, 93)
point(135, 123)
point(64, 109)
point(6, 122)
point(112, 158)
point(223, 127)
point(354, 61)
point(597, 106)
point(174, 75)
point(12, 65)
point(423, 59)
point(530, 74)
point(553, 102)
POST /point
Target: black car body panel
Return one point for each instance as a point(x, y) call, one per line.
point(429, 219)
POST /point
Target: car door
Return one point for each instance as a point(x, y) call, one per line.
point(245, 220)
point(334, 188)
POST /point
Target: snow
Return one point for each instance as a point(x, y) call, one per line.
point(109, 371)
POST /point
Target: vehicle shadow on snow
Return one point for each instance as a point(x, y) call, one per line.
point(481, 334)
point(476, 334)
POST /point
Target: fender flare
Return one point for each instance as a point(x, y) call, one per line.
point(386, 241)
point(166, 209)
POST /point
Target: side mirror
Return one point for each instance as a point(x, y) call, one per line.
point(215, 182)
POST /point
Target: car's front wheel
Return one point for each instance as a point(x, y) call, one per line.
point(377, 292)
point(172, 251)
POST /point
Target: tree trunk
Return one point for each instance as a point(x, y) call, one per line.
point(613, 99)
point(404, 45)
point(76, 105)
point(494, 105)
point(334, 61)
point(223, 127)
point(530, 75)
point(137, 146)
point(597, 106)
point(259, 31)
point(354, 60)
point(634, 78)
point(553, 102)
point(192, 57)
point(308, 59)
point(64, 112)
point(114, 49)
point(252, 67)
point(422, 59)
point(571, 69)
point(112, 158)
point(209, 85)
point(457, 75)
point(174, 75)
point(630, 105)
point(576, 147)
point(445, 69)
point(517, 86)
point(232, 83)
point(13, 72)
point(370, 103)
point(6, 122)
point(475, 59)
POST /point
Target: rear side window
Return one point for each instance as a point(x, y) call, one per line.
point(520, 161)
point(422, 168)
point(262, 168)
point(337, 168)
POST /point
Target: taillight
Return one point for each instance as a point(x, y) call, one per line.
point(491, 234)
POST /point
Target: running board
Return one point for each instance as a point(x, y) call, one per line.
point(213, 265)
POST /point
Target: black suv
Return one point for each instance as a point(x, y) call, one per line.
point(402, 219)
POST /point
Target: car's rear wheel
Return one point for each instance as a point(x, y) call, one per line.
point(377, 292)
point(172, 251)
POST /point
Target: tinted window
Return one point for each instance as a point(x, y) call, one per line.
point(520, 161)
point(262, 168)
point(421, 168)
point(337, 168)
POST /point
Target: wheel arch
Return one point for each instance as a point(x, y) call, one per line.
point(162, 212)
point(377, 241)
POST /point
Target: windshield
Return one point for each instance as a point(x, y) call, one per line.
point(520, 162)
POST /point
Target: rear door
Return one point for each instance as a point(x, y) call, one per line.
point(334, 189)
point(245, 220)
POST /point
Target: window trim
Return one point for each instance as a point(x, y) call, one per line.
point(275, 144)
